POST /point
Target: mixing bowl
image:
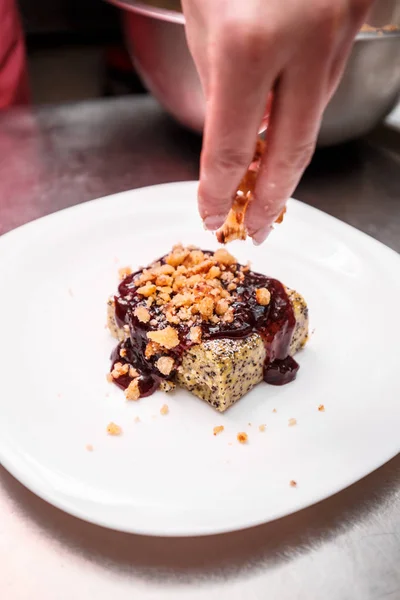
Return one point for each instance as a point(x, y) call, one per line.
point(367, 93)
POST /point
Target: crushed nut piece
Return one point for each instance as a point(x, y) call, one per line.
point(263, 296)
point(221, 307)
point(110, 378)
point(206, 307)
point(124, 272)
point(292, 422)
point(113, 429)
point(214, 273)
point(122, 352)
point(151, 349)
point(195, 335)
point(218, 429)
point(177, 256)
point(164, 410)
point(119, 370)
point(321, 408)
point(147, 290)
point(133, 373)
point(132, 392)
point(242, 437)
point(165, 364)
point(142, 314)
point(293, 483)
point(224, 257)
point(168, 337)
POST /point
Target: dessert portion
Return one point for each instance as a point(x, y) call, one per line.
point(203, 321)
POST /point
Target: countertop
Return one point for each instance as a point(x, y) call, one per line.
point(347, 547)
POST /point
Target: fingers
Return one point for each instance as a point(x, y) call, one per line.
point(293, 129)
point(238, 91)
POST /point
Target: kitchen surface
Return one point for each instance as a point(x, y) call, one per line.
point(93, 130)
point(346, 547)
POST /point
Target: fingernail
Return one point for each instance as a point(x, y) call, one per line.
point(261, 235)
point(213, 222)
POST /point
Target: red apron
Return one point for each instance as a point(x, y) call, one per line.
point(14, 88)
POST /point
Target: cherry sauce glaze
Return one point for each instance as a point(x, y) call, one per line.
point(274, 323)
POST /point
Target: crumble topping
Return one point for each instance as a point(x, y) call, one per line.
point(124, 272)
point(165, 364)
point(263, 296)
point(132, 392)
point(234, 227)
point(167, 337)
point(119, 370)
point(142, 314)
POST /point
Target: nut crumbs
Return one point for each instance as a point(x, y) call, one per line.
point(165, 364)
point(113, 429)
point(218, 429)
point(142, 314)
point(263, 296)
point(132, 392)
point(168, 337)
point(242, 437)
point(124, 272)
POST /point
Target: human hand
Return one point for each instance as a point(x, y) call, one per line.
point(242, 51)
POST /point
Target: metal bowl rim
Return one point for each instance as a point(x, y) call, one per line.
point(172, 16)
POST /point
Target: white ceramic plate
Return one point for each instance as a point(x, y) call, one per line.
point(168, 475)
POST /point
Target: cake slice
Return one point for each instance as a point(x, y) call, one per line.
point(203, 321)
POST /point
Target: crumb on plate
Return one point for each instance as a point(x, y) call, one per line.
point(242, 437)
point(89, 447)
point(262, 427)
point(293, 483)
point(114, 429)
point(321, 408)
point(218, 429)
point(164, 410)
point(292, 422)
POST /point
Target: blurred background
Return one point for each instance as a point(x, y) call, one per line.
point(76, 50)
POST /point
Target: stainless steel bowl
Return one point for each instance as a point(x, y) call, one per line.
point(367, 93)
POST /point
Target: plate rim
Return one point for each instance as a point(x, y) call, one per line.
point(14, 463)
